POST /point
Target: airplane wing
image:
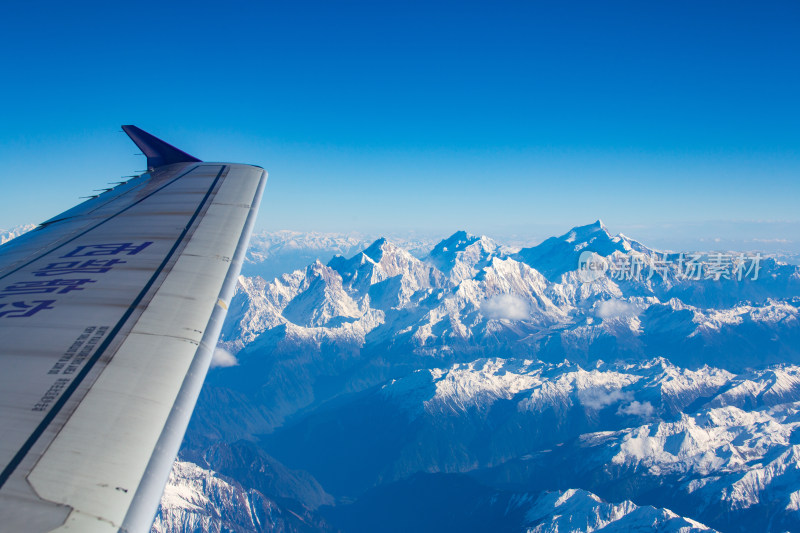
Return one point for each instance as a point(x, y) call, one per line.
point(109, 316)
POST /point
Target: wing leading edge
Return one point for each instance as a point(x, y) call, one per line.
point(109, 316)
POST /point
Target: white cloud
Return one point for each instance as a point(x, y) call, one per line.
point(598, 398)
point(507, 306)
point(637, 409)
point(223, 358)
point(608, 309)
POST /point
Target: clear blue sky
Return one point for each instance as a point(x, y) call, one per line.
point(495, 117)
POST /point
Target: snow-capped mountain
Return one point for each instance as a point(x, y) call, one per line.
point(273, 253)
point(558, 255)
point(580, 511)
point(480, 302)
point(462, 256)
point(8, 234)
point(197, 499)
point(508, 366)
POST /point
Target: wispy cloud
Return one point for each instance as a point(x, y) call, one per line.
point(780, 241)
point(507, 306)
point(637, 409)
point(223, 358)
point(599, 398)
point(608, 309)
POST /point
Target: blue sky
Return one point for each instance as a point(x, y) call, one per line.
point(671, 121)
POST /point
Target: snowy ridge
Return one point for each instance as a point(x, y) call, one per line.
point(196, 499)
point(468, 294)
point(189, 502)
point(580, 511)
point(657, 387)
point(8, 234)
point(272, 254)
point(558, 255)
point(721, 439)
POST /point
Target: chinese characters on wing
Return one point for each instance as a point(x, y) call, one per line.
point(80, 261)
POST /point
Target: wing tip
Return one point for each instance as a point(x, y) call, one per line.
point(158, 152)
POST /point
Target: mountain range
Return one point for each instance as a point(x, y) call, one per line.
point(471, 386)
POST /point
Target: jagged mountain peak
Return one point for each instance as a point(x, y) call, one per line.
point(558, 255)
point(584, 233)
point(384, 275)
point(323, 300)
point(462, 255)
point(595, 234)
point(316, 267)
point(381, 251)
point(460, 242)
point(455, 242)
point(376, 250)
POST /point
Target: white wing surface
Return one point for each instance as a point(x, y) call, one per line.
point(109, 316)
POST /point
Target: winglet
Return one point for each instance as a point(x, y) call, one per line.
point(157, 151)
